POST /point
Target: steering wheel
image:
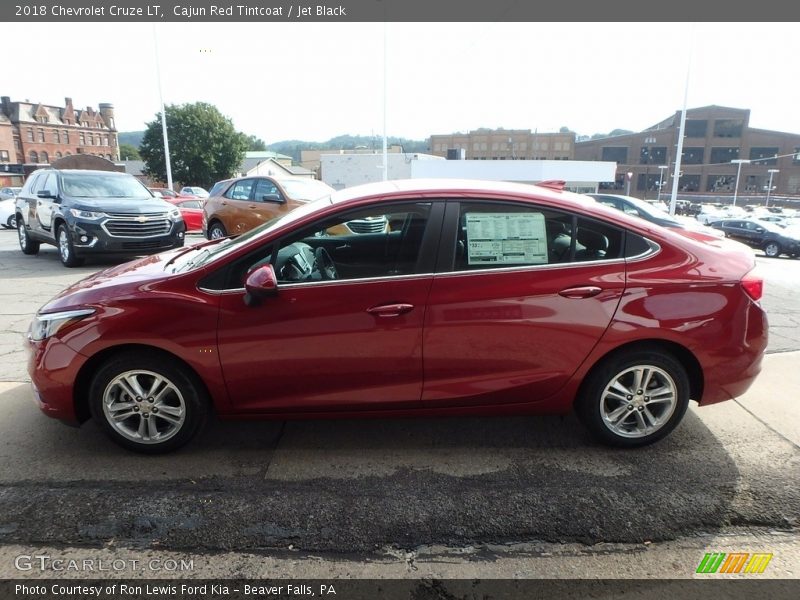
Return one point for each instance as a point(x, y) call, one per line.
point(325, 264)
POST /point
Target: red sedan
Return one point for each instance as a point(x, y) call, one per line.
point(191, 211)
point(481, 298)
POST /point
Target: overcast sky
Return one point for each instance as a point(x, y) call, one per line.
point(313, 81)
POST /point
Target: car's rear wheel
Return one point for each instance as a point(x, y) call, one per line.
point(147, 403)
point(26, 244)
point(634, 398)
point(66, 251)
point(11, 222)
point(216, 230)
point(772, 249)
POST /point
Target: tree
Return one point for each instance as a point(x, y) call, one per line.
point(255, 144)
point(128, 152)
point(204, 147)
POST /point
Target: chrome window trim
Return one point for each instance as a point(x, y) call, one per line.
point(328, 282)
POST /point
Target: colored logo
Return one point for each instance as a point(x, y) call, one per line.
point(735, 562)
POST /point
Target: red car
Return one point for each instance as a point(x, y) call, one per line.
point(191, 211)
point(481, 298)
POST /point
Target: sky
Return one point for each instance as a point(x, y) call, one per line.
point(314, 81)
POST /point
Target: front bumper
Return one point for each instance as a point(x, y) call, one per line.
point(53, 367)
point(94, 237)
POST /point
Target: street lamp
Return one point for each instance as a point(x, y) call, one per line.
point(661, 179)
point(740, 162)
point(769, 186)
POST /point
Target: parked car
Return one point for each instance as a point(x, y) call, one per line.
point(85, 212)
point(239, 205)
point(9, 193)
point(651, 212)
point(167, 193)
point(194, 191)
point(773, 239)
point(490, 298)
point(8, 218)
point(191, 211)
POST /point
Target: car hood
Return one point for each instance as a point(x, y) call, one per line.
point(112, 285)
point(135, 206)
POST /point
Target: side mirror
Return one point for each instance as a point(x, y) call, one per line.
point(759, 230)
point(46, 194)
point(261, 283)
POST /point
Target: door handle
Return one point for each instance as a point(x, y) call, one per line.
point(587, 291)
point(390, 310)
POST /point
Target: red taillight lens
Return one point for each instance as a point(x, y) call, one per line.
point(754, 286)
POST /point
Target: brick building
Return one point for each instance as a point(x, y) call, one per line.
point(35, 134)
point(505, 144)
point(713, 137)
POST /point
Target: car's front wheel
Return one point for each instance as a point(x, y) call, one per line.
point(147, 403)
point(772, 249)
point(216, 231)
point(11, 222)
point(26, 244)
point(634, 398)
point(66, 251)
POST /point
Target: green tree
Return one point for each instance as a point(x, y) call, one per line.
point(255, 144)
point(128, 152)
point(204, 147)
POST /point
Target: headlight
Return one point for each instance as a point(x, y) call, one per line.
point(86, 214)
point(47, 325)
point(175, 214)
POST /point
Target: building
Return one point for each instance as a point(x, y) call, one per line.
point(41, 134)
point(312, 159)
point(505, 144)
point(341, 170)
point(713, 137)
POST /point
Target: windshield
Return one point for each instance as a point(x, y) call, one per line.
point(305, 189)
point(103, 185)
point(210, 254)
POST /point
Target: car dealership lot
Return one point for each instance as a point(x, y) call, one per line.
point(388, 487)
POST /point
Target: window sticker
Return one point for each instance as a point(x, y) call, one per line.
point(506, 238)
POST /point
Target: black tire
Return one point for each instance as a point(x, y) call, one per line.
point(66, 251)
point(772, 249)
point(598, 405)
point(181, 392)
point(11, 222)
point(26, 244)
point(216, 230)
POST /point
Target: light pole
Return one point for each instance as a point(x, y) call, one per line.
point(661, 179)
point(769, 185)
point(740, 162)
point(629, 176)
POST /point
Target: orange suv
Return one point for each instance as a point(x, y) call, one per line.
point(238, 205)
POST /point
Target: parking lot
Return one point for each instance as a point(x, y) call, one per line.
point(410, 495)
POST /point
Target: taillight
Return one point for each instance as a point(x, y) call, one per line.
point(754, 286)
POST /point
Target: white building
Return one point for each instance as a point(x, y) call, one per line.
point(346, 170)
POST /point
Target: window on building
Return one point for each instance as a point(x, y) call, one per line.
point(91, 139)
point(44, 157)
point(652, 155)
point(695, 128)
point(720, 183)
point(82, 139)
point(689, 183)
point(66, 137)
point(693, 156)
point(17, 143)
point(58, 155)
point(56, 137)
point(647, 182)
point(4, 156)
point(765, 156)
point(728, 128)
point(723, 155)
point(33, 156)
point(30, 134)
point(618, 154)
point(41, 135)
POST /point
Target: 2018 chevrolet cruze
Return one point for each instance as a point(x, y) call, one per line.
point(482, 298)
